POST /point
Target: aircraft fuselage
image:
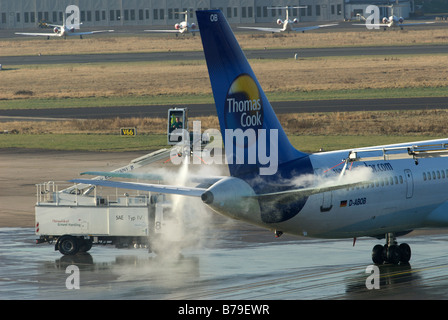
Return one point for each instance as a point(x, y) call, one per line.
point(401, 194)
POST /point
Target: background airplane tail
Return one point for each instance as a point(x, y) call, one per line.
point(248, 123)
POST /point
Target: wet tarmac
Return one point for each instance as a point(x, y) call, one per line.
point(232, 264)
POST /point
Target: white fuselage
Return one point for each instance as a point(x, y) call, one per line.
point(287, 24)
point(393, 21)
point(184, 27)
point(63, 31)
point(401, 197)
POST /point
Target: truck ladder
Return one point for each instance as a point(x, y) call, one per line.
point(134, 164)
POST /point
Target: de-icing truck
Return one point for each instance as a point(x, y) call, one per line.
point(74, 217)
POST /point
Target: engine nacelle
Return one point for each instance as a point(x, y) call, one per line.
point(385, 20)
point(279, 21)
point(295, 21)
point(72, 29)
point(231, 197)
point(401, 20)
point(56, 30)
point(177, 26)
point(193, 26)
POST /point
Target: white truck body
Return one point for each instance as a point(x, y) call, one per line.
point(76, 216)
point(125, 221)
point(111, 220)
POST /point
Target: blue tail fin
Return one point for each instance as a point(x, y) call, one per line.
point(241, 104)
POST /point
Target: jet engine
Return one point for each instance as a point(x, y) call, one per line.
point(279, 21)
point(56, 30)
point(400, 19)
point(385, 20)
point(232, 197)
point(193, 26)
point(177, 26)
point(295, 20)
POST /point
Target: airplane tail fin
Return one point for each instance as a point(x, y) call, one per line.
point(253, 137)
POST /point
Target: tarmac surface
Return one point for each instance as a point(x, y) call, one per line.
point(238, 263)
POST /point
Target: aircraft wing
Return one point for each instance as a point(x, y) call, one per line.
point(172, 31)
point(302, 29)
point(296, 194)
point(263, 29)
point(153, 176)
point(388, 25)
point(129, 175)
point(274, 197)
point(39, 34)
point(88, 32)
point(184, 191)
point(372, 24)
point(167, 31)
point(298, 29)
point(415, 24)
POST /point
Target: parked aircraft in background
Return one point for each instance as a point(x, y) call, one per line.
point(381, 192)
point(181, 27)
point(61, 31)
point(288, 24)
point(389, 22)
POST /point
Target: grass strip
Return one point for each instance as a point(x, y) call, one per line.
point(83, 142)
point(208, 98)
point(116, 143)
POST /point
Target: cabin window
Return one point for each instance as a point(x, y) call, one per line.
point(424, 176)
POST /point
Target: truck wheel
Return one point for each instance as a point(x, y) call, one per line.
point(85, 245)
point(68, 245)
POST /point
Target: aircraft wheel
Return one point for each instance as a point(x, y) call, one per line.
point(377, 254)
point(393, 254)
point(405, 253)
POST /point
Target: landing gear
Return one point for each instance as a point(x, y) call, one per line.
point(391, 252)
